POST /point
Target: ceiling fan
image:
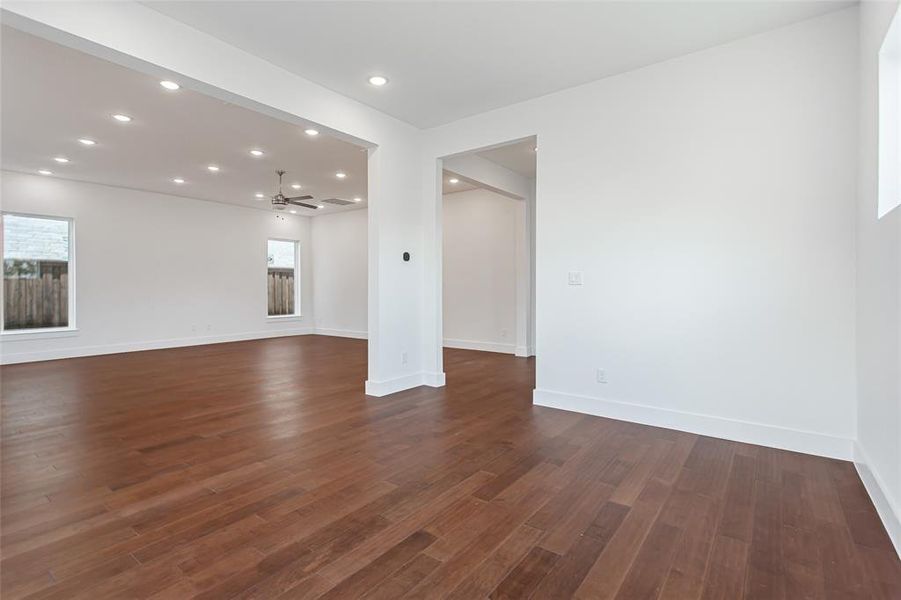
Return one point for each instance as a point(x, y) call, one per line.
point(279, 201)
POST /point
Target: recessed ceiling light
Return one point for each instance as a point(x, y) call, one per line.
point(311, 132)
point(340, 174)
point(122, 118)
point(378, 80)
point(259, 195)
point(170, 85)
point(320, 206)
point(256, 152)
point(453, 180)
point(178, 180)
point(296, 186)
point(61, 159)
point(213, 168)
point(87, 141)
point(293, 212)
point(45, 172)
point(358, 199)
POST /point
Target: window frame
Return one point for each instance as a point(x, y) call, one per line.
point(42, 332)
point(297, 315)
point(889, 119)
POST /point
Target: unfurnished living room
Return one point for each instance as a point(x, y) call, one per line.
point(453, 299)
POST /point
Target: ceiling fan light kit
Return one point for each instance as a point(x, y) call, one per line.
point(280, 201)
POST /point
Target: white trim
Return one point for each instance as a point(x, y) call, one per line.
point(482, 346)
point(887, 507)
point(405, 382)
point(21, 335)
point(797, 440)
point(524, 351)
point(433, 379)
point(9, 358)
point(346, 333)
point(391, 386)
point(283, 318)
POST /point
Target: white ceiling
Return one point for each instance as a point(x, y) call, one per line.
point(520, 157)
point(447, 60)
point(52, 95)
point(461, 185)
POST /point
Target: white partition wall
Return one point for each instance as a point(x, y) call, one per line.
point(708, 203)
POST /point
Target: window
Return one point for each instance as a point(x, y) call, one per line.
point(37, 280)
point(890, 118)
point(281, 280)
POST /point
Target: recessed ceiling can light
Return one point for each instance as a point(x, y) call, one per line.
point(213, 168)
point(258, 195)
point(320, 206)
point(293, 212)
point(340, 174)
point(170, 85)
point(256, 152)
point(86, 141)
point(178, 180)
point(61, 159)
point(45, 172)
point(311, 132)
point(378, 80)
point(122, 118)
point(296, 186)
point(358, 199)
point(453, 180)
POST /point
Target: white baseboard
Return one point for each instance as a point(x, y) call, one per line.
point(346, 333)
point(433, 379)
point(392, 386)
point(483, 346)
point(886, 505)
point(797, 440)
point(524, 351)
point(9, 358)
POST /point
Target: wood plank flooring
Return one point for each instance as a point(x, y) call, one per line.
point(260, 470)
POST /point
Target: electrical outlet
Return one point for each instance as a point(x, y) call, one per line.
point(403, 358)
point(574, 278)
point(602, 376)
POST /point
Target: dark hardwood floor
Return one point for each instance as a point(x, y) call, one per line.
point(260, 470)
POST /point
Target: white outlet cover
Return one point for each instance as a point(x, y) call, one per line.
point(575, 278)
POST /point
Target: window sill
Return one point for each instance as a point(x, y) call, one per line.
point(284, 318)
point(21, 335)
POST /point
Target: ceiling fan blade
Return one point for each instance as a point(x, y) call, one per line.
point(298, 203)
point(307, 197)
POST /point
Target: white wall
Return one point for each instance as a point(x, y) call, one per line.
point(878, 298)
point(480, 263)
point(153, 270)
point(139, 37)
point(339, 273)
point(709, 201)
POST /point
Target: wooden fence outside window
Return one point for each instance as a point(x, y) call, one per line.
point(281, 291)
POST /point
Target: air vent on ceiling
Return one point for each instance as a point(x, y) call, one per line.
point(337, 201)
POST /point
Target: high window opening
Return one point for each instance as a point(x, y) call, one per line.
point(37, 278)
point(281, 279)
point(890, 118)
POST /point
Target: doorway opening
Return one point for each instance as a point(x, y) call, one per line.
point(488, 249)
